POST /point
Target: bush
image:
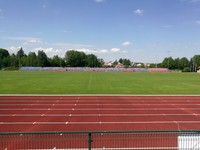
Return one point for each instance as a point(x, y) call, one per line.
point(10, 69)
point(186, 69)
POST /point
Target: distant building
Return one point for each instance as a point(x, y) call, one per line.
point(198, 69)
point(108, 64)
point(146, 65)
point(119, 65)
point(138, 64)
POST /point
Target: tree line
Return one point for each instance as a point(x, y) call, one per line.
point(183, 63)
point(75, 58)
point(72, 59)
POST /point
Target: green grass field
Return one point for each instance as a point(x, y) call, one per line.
point(98, 83)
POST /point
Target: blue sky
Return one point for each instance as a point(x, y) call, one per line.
point(140, 30)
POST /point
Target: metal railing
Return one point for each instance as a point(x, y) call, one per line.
point(119, 140)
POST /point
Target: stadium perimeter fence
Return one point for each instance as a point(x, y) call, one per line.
point(85, 69)
point(120, 140)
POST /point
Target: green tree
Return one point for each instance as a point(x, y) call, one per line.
point(56, 61)
point(120, 60)
point(177, 63)
point(125, 62)
point(101, 62)
point(42, 59)
point(153, 65)
point(20, 54)
point(4, 54)
point(13, 61)
point(168, 63)
point(75, 59)
point(114, 63)
point(92, 61)
point(195, 62)
point(183, 63)
point(32, 59)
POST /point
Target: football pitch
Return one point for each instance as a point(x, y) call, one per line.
point(99, 83)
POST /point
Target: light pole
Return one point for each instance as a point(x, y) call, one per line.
point(168, 57)
point(194, 65)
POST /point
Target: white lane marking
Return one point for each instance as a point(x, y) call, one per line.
point(195, 114)
point(139, 122)
point(131, 99)
point(128, 122)
point(158, 104)
point(91, 115)
point(110, 109)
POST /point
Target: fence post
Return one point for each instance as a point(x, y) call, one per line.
point(89, 141)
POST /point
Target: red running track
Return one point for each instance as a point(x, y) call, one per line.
point(98, 113)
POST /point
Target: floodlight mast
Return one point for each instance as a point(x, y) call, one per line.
point(168, 57)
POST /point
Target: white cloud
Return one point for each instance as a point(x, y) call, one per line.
point(114, 50)
point(32, 41)
point(13, 49)
point(19, 38)
point(126, 43)
point(87, 51)
point(25, 40)
point(124, 51)
point(103, 51)
point(71, 45)
point(139, 12)
point(50, 52)
point(99, 1)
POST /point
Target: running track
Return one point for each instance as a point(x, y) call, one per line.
point(98, 113)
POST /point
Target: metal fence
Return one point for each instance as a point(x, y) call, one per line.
point(85, 69)
point(120, 140)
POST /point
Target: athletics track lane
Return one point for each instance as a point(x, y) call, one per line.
point(99, 113)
